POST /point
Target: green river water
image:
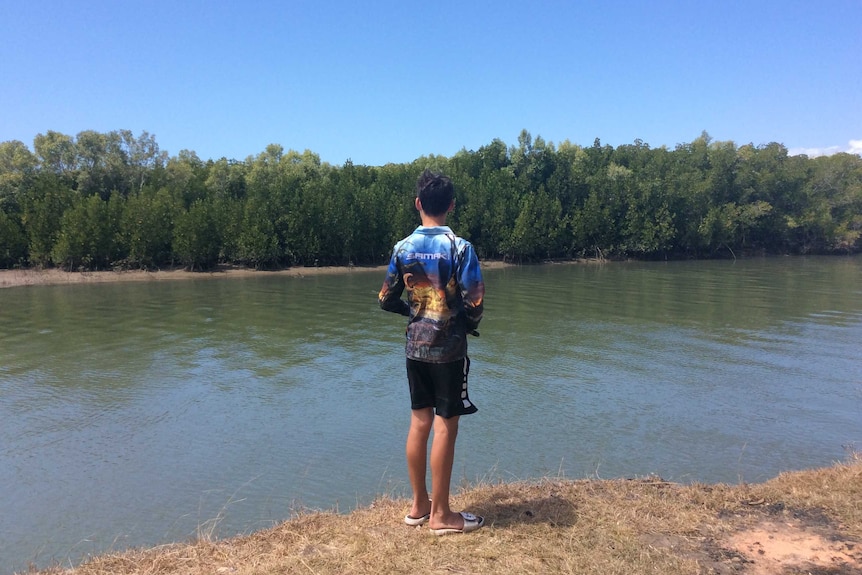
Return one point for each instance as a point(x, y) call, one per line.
point(136, 414)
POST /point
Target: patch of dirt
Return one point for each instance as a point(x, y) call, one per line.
point(796, 542)
point(776, 547)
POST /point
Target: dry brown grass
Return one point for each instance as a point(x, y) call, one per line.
point(640, 526)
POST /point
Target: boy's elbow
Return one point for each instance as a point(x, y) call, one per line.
point(395, 306)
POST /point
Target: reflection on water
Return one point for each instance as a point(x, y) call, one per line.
point(142, 413)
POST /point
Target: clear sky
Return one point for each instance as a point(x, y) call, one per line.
point(392, 80)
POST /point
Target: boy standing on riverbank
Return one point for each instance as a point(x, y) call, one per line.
point(441, 274)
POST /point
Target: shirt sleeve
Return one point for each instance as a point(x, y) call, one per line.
point(393, 286)
point(472, 286)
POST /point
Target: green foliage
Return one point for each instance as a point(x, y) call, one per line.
point(185, 178)
point(147, 228)
point(88, 233)
point(108, 199)
point(537, 229)
point(17, 170)
point(226, 179)
point(56, 152)
point(257, 244)
point(13, 242)
point(43, 208)
point(197, 238)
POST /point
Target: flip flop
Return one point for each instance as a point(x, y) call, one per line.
point(417, 521)
point(471, 523)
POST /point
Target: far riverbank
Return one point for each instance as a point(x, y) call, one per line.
point(54, 276)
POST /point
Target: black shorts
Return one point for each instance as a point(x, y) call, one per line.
point(442, 386)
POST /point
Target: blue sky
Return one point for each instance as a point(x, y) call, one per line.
point(390, 81)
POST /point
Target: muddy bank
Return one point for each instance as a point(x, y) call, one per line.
point(37, 277)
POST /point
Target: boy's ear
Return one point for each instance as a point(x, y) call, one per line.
point(418, 204)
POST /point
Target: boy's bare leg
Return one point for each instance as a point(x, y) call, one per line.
point(442, 460)
point(421, 421)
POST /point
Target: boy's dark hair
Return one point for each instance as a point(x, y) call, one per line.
point(435, 192)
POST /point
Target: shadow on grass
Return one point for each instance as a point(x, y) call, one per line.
point(550, 509)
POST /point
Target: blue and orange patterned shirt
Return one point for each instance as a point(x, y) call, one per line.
point(441, 274)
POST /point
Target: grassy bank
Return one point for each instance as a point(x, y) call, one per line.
point(799, 522)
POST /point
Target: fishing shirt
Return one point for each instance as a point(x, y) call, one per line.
point(441, 274)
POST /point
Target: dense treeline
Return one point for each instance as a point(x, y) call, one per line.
point(113, 200)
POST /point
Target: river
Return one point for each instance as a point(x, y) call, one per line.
point(143, 413)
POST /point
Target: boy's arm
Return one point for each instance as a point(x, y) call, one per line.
point(393, 286)
point(472, 287)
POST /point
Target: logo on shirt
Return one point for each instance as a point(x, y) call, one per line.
point(421, 256)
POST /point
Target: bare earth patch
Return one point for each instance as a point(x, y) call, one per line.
point(775, 547)
point(771, 546)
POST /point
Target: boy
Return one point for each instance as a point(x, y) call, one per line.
point(441, 274)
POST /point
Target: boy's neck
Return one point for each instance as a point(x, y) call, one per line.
point(432, 221)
